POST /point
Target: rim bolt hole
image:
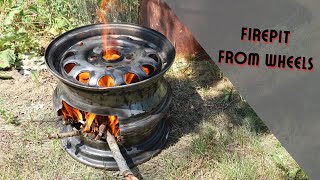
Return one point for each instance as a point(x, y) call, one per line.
point(93, 58)
point(129, 56)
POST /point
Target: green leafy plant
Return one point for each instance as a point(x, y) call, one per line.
point(7, 59)
point(27, 26)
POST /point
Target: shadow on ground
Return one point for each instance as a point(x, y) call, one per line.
point(190, 109)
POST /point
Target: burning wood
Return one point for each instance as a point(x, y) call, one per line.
point(102, 130)
point(91, 121)
point(111, 140)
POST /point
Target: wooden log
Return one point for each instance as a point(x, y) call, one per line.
point(116, 154)
point(102, 129)
point(63, 135)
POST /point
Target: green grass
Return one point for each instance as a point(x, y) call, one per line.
point(229, 142)
point(240, 154)
point(9, 117)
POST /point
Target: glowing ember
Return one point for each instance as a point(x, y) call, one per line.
point(92, 121)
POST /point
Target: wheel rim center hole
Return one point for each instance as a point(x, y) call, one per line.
point(111, 55)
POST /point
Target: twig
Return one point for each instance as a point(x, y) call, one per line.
point(63, 135)
point(121, 162)
point(54, 119)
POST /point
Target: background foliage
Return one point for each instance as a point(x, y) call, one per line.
point(28, 26)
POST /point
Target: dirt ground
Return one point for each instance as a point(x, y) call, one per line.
point(199, 101)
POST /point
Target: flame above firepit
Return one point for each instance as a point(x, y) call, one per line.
point(109, 55)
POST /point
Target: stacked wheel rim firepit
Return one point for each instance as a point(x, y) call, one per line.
point(124, 88)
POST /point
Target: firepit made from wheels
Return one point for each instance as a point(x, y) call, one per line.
point(114, 80)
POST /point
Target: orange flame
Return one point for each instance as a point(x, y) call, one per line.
point(130, 78)
point(84, 77)
point(70, 112)
point(108, 55)
point(89, 119)
point(146, 70)
point(106, 81)
point(92, 121)
point(113, 124)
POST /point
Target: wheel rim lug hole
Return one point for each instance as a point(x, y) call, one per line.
point(129, 57)
point(93, 58)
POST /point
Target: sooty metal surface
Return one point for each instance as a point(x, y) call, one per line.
point(88, 57)
point(140, 106)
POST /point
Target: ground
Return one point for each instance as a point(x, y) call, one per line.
point(214, 132)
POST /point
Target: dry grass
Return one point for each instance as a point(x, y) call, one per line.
point(211, 137)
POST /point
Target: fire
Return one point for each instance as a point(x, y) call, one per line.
point(106, 81)
point(131, 78)
point(101, 14)
point(146, 70)
point(84, 77)
point(91, 121)
point(113, 122)
point(70, 112)
point(111, 55)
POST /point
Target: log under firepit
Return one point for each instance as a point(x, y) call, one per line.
point(127, 85)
